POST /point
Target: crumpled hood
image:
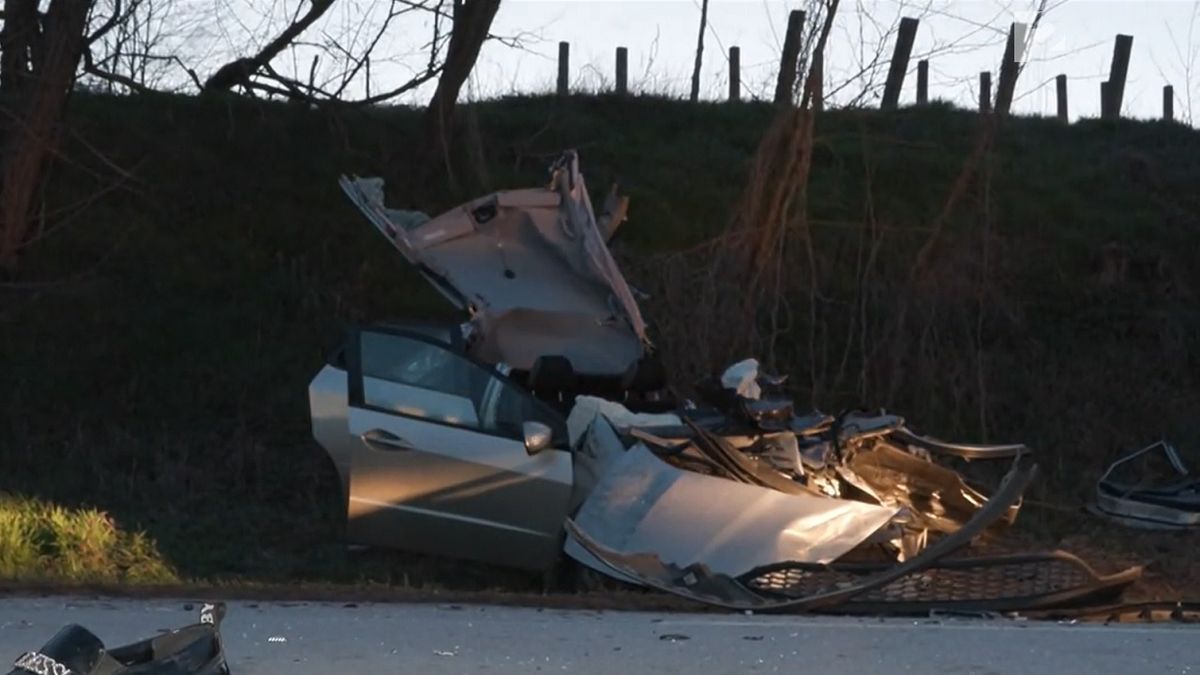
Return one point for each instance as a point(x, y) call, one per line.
point(531, 266)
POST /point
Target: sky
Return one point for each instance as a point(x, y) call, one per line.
point(959, 37)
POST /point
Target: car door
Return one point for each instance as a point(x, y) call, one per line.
point(439, 463)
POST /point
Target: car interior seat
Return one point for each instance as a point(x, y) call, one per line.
point(552, 379)
point(645, 384)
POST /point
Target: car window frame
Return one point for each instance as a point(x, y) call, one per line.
point(356, 396)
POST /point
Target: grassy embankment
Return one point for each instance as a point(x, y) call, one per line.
point(156, 347)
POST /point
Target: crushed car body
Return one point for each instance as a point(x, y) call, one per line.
point(541, 424)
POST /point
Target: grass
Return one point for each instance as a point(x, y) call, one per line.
point(157, 345)
point(44, 542)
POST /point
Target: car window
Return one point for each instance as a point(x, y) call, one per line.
point(416, 378)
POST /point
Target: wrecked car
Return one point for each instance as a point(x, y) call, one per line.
point(542, 424)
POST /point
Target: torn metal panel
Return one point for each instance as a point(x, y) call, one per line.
point(530, 265)
point(595, 456)
point(937, 495)
point(644, 504)
point(699, 582)
point(1150, 488)
point(964, 450)
point(739, 466)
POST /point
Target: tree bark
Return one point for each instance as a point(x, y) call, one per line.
point(472, 21)
point(34, 135)
point(18, 41)
point(240, 71)
point(699, 52)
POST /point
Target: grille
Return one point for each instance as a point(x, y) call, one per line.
point(951, 582)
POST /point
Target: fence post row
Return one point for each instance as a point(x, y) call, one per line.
point(899, 65)
point(1111, 91)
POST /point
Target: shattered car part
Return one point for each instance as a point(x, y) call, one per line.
point(532, 268)
point(644, 503)
point(696, 581)
point(191, 650)
point(1150, 488)
point(547, 410)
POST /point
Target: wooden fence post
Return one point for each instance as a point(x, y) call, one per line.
point(922, 82)
point(785, 86)
point(1009, 70)
point(1060, 85)
point(899, 65)
point(1168, 103)
point(1116, 76)
point(622, 71)
point(1105, 92)
point(564, 59)
point(985, 92)
point(735, 73)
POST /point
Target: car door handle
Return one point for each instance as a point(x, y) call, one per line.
point(385, 440)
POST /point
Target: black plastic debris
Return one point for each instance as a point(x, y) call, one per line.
point(1150, 488)
point(195, 649)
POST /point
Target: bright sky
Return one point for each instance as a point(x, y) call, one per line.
point(960, 37)
point(1075, 38)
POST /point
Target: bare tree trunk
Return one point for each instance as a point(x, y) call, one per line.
point(699, 52)
point(18, 41)
point(472, 21)
point(240, 71)
point(34, 134)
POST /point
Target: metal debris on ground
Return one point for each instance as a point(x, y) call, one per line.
point(547, 408)
point(1151, 488)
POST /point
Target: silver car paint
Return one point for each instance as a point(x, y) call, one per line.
point(457, 492)
point(644, 504)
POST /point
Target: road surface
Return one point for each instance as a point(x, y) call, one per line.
point(322, 638)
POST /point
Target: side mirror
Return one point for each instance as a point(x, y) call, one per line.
point(538, 437)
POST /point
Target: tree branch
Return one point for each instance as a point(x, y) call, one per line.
point(240, 71)
point(108, 25)
point(92, 69)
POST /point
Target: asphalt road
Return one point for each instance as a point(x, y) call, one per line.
point(320, 639)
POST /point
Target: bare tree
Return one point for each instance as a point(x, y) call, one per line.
point(472, 21)
point(126, 48)
point(33, 133)
point(1188, 54)
point(18, 43)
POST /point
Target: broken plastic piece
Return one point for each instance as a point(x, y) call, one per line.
point(1150, 488)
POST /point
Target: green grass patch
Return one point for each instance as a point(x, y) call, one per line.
point(44, 542)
